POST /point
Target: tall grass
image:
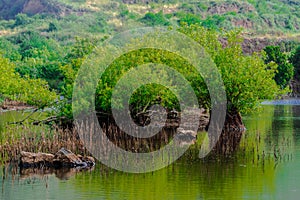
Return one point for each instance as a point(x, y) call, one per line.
point(19, 138)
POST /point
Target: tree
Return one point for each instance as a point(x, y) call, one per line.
point(155, 19)
point(72, 62)
point(246, 79)
point(295, 60)
point(9, 50)
point(36, 56)
point(285, 70)
point(52, 27)
point(32, 91)
point(33, 43)
point(22, 19)
point(190, 19)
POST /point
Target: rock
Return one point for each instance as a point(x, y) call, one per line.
point(36, 159)
point(186, 137)
point(63, 158)
point(89, 160)
point(66, 158)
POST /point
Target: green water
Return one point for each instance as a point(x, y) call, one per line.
point(7, 119)
point(266, 166)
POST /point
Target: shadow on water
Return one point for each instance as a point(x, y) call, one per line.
point(13, 171)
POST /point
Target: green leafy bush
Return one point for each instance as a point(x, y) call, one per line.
point(246, 80)
point(190, 19)
point(32, 91)
point(295, 60)
point(285, 70)
point(22, 19)
point(154, 19)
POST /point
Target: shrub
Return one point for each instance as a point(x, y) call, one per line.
point(295, 60)
point(285, 70)
point(155, 19)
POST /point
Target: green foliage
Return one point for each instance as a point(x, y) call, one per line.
point(190, 19)
point(295, 60)
point(31, 91)
point(32, 42)
point(73, 61)
point(246, 79)
point(285, 70)
point(39, 58)
point(125, 14)
point(52, 27)
point(43, 69)
point(154, 19)
point(213, 22)
point(22, 19)
point(9, 50)
point(202, 6)
point(149, 95)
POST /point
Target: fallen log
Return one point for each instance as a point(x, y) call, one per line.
point(63, 158)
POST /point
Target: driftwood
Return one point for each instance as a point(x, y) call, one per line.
point(63, 158)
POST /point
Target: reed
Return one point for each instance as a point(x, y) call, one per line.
point(49, 139)
point(37, 139)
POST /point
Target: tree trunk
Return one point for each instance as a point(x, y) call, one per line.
point(231, 134)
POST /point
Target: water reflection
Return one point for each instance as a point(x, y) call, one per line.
point(265, 166)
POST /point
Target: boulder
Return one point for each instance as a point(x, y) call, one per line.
point(63, 158)
point(29, 159)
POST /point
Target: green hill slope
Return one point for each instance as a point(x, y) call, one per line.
point(264, 22)
point(257, 16)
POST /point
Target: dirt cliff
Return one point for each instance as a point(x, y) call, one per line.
point(9, 9)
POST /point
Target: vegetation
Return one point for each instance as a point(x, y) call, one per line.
point(154, 19)
point(32, 91)
point(285, 70)
point(295, 60)
point(43, 49)
point(247, 79)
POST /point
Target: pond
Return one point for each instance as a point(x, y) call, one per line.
point(265, 166)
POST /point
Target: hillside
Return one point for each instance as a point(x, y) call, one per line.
point(273, 21)
point(259, 16)
point(9, 9)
